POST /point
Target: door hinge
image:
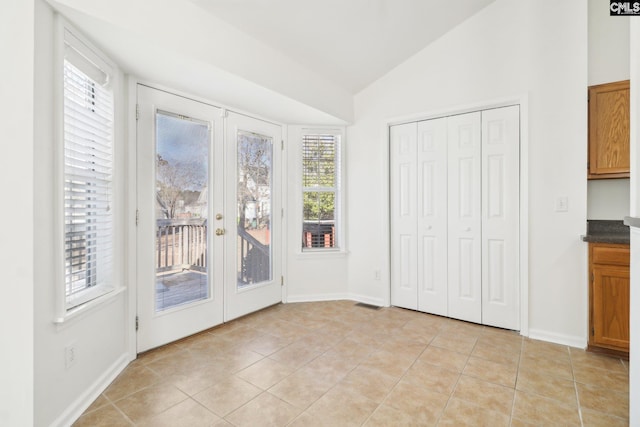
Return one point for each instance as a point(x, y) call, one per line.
point(137, 323)
point(282, 144)
point(137, 216)
point(281, 280)
point(592, 277)
point(593, 331)
point(223, 113)
point(137, 111)
point(282, 213)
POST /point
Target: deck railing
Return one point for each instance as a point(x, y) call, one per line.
point(181, 244)
point(253, 259)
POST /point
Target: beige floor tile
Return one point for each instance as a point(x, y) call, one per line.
point(423, 405)
point(98, 403)
point(199, 378)
point(539, 411)
point(330, 367)
point(388, 363)
point(598, 419)
point(546, 349)
point(444, 358)
point(501, 341)
point(492, 372)
point(341, 407)
point(187, 413)
point(547, 365)
point(385, 416)
point(295, 355)
point(237, 359)
point(150, 401)
point(586, 360)
point(605, 378)
point(432, 377)
point(264, 410)
point(450, 340)
point(169, 350)
point(186, 363)
point(301, 388)
point(107, 416)
point(370, 383)
point(227, 395)
point(132, 379)
point(267, 344)
point(462, 413)
point(487, 395)
point(504, 355)
point(556, 388)
point(603, 400)
point(265, 373)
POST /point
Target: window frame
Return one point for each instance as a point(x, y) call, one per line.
point(339, 189)
point(68, 307)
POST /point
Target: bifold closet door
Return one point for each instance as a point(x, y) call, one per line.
point(500, 217)
point(404, 245)
point(432, 216)
point(464, 217)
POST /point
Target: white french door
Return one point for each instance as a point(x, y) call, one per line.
point(253, 215)
point(180, 180)
point(209, 216)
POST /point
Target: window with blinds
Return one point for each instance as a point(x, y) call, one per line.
point(320, 190)
point(88, 128)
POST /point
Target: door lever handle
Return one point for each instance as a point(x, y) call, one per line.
point(219, 231)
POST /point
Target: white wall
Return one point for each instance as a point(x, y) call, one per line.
point(608, 62)
point(100, 335)
point(16, 234)
point(510, 49)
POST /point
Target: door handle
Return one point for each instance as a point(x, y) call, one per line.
point(219, 216)
point(219, 231)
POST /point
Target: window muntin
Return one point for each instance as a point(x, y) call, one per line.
point(88, 129)
point(320, 191)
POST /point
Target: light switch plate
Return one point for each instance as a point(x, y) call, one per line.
point(562, 204)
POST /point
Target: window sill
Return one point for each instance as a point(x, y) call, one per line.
point(88, 307)
point(322, 254)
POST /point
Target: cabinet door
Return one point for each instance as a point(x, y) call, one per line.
point(464, 193)
point(500, 217)
point(432, 216)
point(404, 245)
point(610, 299)
point(609, 130)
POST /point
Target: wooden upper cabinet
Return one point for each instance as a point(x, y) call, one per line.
point(609, 130)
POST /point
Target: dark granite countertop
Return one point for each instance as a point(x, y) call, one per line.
point(605, 231)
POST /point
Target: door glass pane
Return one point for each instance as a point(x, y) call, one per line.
point(182, 165)
point(254, 208)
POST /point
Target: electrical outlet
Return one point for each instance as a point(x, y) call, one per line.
point(70, 355)
point(376, 274)
point(562, 204)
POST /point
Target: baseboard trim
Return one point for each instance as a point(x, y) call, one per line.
point(336, 297)
point(569, 340)
point(317, 297)
point(77, 408)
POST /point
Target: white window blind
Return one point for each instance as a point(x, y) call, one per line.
point(88, 176)
point(320, 187)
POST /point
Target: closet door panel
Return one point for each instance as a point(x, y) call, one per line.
point(404, 208)
point(432, 216)
point(500, 217)
point(464, 217)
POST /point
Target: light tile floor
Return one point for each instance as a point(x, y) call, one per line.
point(340, 364)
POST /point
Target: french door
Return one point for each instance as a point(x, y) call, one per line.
point(206, 251)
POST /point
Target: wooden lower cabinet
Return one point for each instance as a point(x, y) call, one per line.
point(609, 297)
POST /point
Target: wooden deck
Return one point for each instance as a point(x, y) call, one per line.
point(180, 287)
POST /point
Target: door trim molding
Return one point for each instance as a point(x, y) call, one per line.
point(523, 102)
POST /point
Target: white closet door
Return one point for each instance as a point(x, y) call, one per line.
point(500, 217)
point(404, 259)
point(465, 284)
point(432, 216)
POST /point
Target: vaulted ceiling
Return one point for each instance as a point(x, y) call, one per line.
point(294, 61)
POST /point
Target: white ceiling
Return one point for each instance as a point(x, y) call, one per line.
point(349, 42)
